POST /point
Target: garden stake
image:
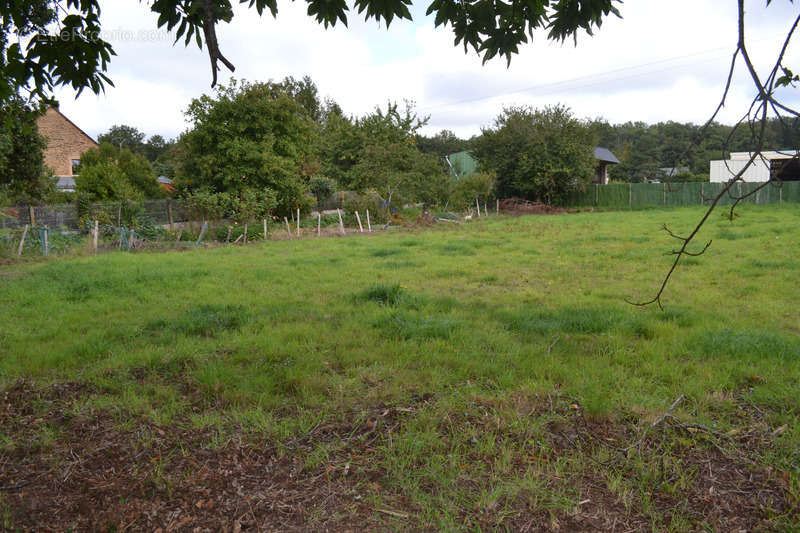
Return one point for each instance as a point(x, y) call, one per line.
point(22, 240)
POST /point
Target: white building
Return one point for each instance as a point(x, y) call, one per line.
point(782, 164)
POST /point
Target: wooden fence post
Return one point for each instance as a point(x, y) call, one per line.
point(630, 194)
point(497, 206)
point(265, 229)
point(228, 237)
point(298, 221)
point(341, 223)
point(360, 227)
point(22, 240)
point(169, 214)
point(369, 226)
point(244, 241)
point(319, 223)
point(95, 236)
point(478, 206)
point(288, 229)
point(46, 244)
point(202, 233)
point(32, 215)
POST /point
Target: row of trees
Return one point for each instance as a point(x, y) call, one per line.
point(280, 141)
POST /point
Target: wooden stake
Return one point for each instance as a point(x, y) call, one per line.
point(265, 229)
point(341, 223)
point(319, 223)
point(95, 236)
point(298, 221)
point(228, 237)
point(497, 207)
point(477, 205)
point(32, 215)
point(245, 234)
point(360, 227)
point(46, 243)
point(22, 240)
point(288, 230)
point(203, 233)
point(485, 210)
point(169, 214)
point(369, 226)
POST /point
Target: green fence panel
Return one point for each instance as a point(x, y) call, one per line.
point(619, 196)
point(614, 195)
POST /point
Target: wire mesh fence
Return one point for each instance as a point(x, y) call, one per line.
point(623, 195)
point(72, 216)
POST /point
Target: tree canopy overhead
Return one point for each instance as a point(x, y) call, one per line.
point(52, 43)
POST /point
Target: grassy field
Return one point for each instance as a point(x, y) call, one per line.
point(486, 376)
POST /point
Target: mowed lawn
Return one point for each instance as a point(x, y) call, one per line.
point(484, 376)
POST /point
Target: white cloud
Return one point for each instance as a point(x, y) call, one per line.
point(663, 61)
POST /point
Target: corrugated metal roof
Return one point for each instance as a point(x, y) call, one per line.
point(604, 154)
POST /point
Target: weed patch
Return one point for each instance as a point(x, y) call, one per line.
point(413, 326)
point(204, 321)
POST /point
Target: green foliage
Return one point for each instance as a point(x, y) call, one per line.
point(538, 154)
point(479, 185)
point(248, 136)
point(108, 173)
point(644, 148)
point(389, 161)
point(321, 187)
point(369, 200)
point(243, 207)
point(22, 171)
point(52, 43)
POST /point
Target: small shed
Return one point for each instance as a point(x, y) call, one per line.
point(604, 158)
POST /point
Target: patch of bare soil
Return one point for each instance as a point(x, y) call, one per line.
point(90, 474)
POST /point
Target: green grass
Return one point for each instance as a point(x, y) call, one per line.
point(500, 325)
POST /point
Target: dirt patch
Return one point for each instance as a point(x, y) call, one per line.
point(91, 473)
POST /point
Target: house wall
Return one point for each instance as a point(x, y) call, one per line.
point(65, 142)
point(721, 172)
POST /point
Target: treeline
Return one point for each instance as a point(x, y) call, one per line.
point(275, 147)
point(644, 148)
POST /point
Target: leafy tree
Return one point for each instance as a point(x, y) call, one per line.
point(443, 143)
point(479, 185)
point(64, 47)
point(321, 187)
point(123, 136)
point(538, 154)
point(22, 169)
point(247, 136)
point(388, 160)
point(108, 173)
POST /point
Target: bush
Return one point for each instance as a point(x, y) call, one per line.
point(369, 200)
point(479, 185)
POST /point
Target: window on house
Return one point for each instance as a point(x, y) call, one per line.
point(76, 166)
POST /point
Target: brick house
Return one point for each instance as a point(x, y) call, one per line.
point(65, 144)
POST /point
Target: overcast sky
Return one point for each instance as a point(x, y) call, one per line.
point(664, 60)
